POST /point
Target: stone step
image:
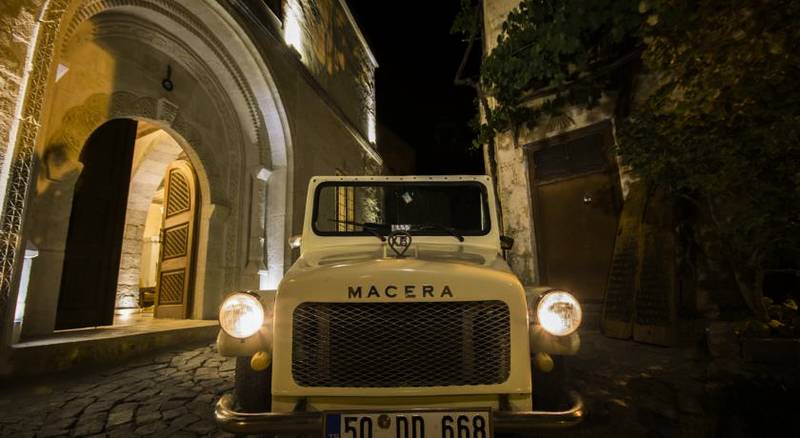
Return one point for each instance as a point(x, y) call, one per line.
point(87, 348)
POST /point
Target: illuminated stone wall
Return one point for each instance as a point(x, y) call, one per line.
point(331, 46)
point(494, 14)
point(17, 26)
point(153, 153)
point(257, 121)
point(512, 169)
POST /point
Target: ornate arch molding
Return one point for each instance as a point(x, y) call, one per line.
point(124, 27)
point(164, 113)
point(110, 25)
point(22, 159)
point(58, 19)
point(97, 109)
point(187, 21)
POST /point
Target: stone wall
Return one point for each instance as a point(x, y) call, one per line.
point(110, 74)
point(152, 155)
point(257, 122)
point(513, 177)
point(330, 45)
point(17, 30)
point(494, 14)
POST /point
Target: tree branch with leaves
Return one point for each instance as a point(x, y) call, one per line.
point(713, 115)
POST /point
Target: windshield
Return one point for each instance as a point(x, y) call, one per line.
point(422, 208)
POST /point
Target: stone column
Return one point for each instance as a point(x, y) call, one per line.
point(256, 239)
point(275, 244)
point(210, 287)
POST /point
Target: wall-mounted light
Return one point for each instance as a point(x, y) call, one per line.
point(167, 82)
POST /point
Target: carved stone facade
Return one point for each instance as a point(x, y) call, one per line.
point(255, 121)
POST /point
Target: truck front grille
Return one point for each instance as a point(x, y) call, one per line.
point(368, 345)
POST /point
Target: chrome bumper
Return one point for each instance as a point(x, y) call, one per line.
point(312, 422)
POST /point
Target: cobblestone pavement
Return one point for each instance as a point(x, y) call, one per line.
point(169, 394)
point(631, 390)
point(638, 390)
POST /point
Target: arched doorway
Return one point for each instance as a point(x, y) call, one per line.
point(103, 60)
point(130, 243)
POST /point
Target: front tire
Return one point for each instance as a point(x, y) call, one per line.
point(252, 390)
point(550, 389)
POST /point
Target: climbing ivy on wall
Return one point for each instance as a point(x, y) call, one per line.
point(708, 106)
point(566, 50)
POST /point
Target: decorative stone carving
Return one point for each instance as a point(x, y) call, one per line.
point(19, 176)
point(120, 26)
point(167, 111)
point(178, 13)
point(127, 104)
point(59, 23)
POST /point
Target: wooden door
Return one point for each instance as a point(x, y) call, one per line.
point(174, 279)
point(96, 224)
point(576, 207)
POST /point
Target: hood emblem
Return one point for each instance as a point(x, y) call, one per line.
point(399, 241)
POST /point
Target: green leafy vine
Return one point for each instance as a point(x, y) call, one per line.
point(707, 100)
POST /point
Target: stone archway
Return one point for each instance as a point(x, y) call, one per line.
point(49, 209)
point(154, 151)
point(257, 127)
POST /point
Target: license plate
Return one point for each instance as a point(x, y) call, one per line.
point(409, 424)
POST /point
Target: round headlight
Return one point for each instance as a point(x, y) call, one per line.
point(241, 315)
point(559, 313)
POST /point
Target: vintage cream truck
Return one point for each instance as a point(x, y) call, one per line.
point(400, 318)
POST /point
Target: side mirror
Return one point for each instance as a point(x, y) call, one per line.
point(295, 241)
point(506, 242)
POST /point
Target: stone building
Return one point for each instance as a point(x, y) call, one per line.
point(155, 153)
point(580, 220)
point(560, 189)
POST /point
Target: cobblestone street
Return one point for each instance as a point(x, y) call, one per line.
point(639, 390)
point(631, 390)
point(170, 394)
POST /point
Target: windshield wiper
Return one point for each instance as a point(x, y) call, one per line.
point(436, 227)
point(369, 227)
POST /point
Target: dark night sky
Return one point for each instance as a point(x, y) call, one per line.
point(416, 98)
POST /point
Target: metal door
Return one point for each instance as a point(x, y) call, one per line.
point(576, 208)
point(174, 279)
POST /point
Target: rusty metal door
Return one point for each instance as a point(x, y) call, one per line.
point(576, 207)
point(174, 279)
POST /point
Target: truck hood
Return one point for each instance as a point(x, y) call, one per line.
point(429, 273)
point(377, 268)
point(431, 252)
